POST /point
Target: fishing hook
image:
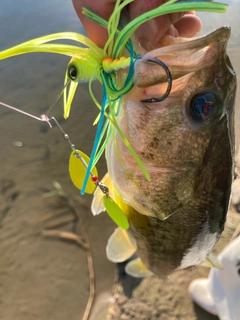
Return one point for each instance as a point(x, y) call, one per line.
point(169, 78)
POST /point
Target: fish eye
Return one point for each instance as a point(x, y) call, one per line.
point(206, 107)
point(72, 72)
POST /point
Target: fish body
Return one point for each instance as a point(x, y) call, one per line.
point(186, 142)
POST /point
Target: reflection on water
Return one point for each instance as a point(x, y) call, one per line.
point(32, 82)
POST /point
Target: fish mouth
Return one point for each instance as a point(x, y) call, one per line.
point(182, 56)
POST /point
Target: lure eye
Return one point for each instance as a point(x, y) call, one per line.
point(72, 73)
point(206, 107)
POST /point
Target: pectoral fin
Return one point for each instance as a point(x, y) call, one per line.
point(212, 262)
point(97, 202)
point(137, 269)
point(121, 246)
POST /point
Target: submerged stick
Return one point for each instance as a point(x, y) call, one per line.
point(82, 241)
point(66, 236)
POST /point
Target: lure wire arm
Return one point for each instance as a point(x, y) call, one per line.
point(169, 78)
point(58, 96)
point(94, 179)
point(45, 118)
point(42, 118)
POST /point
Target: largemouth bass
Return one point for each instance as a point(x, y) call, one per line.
point(186, 142)
point(170, 144)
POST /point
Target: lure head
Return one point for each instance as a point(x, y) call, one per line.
point(82, 70)
point(186, 143)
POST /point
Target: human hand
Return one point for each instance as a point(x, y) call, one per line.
point(150, 33)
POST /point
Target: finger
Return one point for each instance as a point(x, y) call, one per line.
point(188, 26)
point(153, 30)
point(103, 8)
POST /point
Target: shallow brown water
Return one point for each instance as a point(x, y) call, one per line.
point(42, 278)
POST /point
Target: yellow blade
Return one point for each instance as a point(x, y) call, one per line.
point(77, 172)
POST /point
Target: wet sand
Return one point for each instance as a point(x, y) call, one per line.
point(46, 278)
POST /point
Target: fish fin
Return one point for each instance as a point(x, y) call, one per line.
point(137, 269)
point(212, 262)
point(97, 202)
point(121, 246)
point(97, 205)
